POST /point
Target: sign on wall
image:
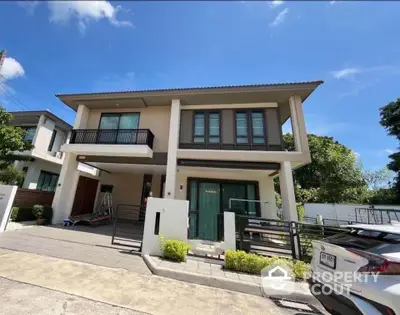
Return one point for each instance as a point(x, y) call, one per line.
point(7, 195)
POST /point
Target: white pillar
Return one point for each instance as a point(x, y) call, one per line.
point(40, 123)
point(229, 230)
point(173, 140)
point(66, 188)
point(82, 117)
point(298, 124)
point(287, 192)
point(267, 193)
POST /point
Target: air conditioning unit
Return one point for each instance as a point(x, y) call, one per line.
point(59, 155)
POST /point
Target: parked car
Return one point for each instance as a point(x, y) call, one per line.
point(358, 272)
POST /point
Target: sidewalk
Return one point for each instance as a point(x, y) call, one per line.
point(144, 293)
point(211, 273)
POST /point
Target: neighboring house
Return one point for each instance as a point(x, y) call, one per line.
point(47, 133)
point(206, 145)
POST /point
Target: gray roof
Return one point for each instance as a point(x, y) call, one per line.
point(37, 113)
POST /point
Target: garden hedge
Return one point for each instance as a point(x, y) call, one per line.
point(25, 213)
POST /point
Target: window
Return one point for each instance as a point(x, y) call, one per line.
point(119, 121)
point(199, 129)
point(53, 137)
point(47, 181)
point(206, 127)
point(213, 128)
point(30, 133)
point(250, 127)
point(118, 128)
point(242, 135)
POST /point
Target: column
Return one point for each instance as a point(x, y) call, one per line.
point(267, 194)
point(173, 141)
point(287, 192)
point(66, 187)
point(82, 117)
point(298, 124)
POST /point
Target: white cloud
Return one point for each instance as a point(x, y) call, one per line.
point(388, 151)
point(11, 69)
point(84, 12)
point(345, 73)
point(332, 2)
point(280, 18)
point(276, 3)
point(29, 6)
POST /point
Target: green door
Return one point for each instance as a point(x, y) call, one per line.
point(209, 208)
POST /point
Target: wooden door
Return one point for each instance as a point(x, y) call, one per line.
point(85, 196)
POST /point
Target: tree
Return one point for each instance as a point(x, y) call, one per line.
point(332, 176)
point(378, 179)
point(11, 142)
point(390, 120)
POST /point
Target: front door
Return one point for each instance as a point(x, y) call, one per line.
point(84, 196)
point(209, 208)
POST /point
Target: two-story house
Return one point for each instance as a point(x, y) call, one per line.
point(47, 133)
point(218, 147)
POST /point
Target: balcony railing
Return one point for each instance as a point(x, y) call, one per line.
point(230, 146)
point(112, 136)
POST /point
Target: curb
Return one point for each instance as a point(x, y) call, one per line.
point(226, 284)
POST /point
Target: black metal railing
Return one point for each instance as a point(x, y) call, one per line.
point(112, 136)
point(228, 146)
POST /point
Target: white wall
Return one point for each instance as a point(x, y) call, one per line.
point(43, 134)
point(173, 223)
point(7, 195)
point(338, 211)
point(34, 169)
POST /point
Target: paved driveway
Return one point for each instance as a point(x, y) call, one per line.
point(80, 243)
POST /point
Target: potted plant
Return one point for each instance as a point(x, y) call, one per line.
point(38, 211)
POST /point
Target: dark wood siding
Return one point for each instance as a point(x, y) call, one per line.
point(30, 197)
point(228, 126)
point(186, 131)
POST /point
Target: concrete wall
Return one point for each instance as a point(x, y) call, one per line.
point(173, 223)
point(338, 211)
point(34, 169)
point(154, 118)
point(7, 194)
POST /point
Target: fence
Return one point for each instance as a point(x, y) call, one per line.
point(33, 197)
point(280, 238)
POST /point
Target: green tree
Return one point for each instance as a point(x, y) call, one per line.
point(11, 142)
point(378, 179)
point(333, 175)
point(390, 120)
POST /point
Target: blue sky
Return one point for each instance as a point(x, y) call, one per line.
point(71, 47)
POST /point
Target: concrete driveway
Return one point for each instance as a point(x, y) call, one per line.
point(46, 267)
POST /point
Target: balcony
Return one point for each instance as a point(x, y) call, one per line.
point(112, 136)
point(230, 146)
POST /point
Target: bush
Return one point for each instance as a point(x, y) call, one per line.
point(174, 249)
point(254, 264)
point(38, 211)
point(22, 213)
point(27, 213)
point(301, 270)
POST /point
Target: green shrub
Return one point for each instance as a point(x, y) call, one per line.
point(48, 214)
point(174, 249)
point(300, 212)
point(301, 270)
point(254, 264)
point(37, 211)
point(22, 213)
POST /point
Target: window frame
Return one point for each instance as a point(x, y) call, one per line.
point(119, 119)
point(26, 128)
point(50, 174)
point(206, 135)
point(52, 140)
point(250, 129)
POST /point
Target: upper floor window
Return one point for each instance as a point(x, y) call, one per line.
point(250, 127)
point(47, 181)
point(30, 133)
point(206, 127)
point(53, 138)
point(119, 121)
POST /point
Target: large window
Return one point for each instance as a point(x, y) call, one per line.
point(206, 127)
point(118, 128)
point(30, 133)
point(119, 121)
point(250, 127)
point(47, 181)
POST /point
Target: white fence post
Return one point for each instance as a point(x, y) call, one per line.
point(229, 230)
point(7, 195)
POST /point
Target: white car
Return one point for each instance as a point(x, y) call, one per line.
point(358, 272)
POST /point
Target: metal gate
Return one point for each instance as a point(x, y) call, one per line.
point(129, 226)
